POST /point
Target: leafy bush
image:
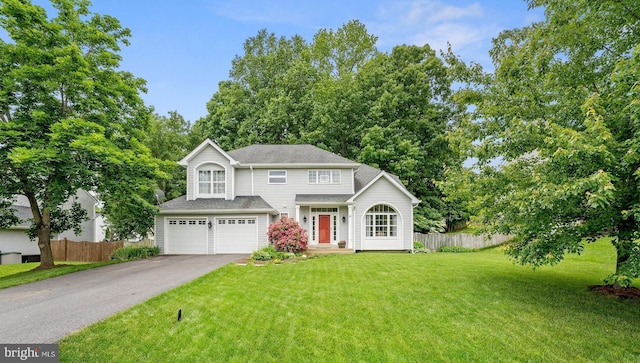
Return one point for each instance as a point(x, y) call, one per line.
point(286, 235)
point(264, 254)
point(456, 249)
point(133, 253)
point(269, 253)
point(418, 247)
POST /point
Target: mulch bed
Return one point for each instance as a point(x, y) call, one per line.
point(623, 293)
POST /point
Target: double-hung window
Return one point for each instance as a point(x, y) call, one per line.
point(324, 176)
point(277, 177)
point(211, 183)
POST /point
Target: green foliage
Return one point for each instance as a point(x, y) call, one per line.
point(169, 139)
point(555, 132)
point(418, 247)
point(71, 119)
point(341, 94)
point(455, 249)
point(128, 253)
point(270, 253)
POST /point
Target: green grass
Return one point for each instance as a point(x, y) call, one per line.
point(377, 307)
point(18, 274)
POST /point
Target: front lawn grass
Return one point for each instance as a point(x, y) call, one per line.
point(375, 307)
point(21, 273)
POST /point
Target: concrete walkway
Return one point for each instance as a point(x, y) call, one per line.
point(45, 311)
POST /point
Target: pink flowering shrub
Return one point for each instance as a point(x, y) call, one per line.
point(286, 235)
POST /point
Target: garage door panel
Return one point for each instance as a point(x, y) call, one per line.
point(186, 236)
point(235, 235)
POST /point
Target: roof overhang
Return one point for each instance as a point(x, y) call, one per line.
point(297, 165)
point(184, 161)
point(217, 211)
point(393, 181)
point(322, 199)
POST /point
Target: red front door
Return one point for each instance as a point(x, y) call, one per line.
point(324, 229)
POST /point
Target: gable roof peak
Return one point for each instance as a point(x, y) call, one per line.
point(207, 142)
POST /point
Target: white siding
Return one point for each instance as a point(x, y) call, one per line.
point(88, 233)
point(158, 233)
point(90, 228)
point(208, 155)
point(383, 192)
point(243, 182)
point(17, 241)
point(282, 196)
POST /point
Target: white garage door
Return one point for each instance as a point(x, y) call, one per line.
point(186, 236)
point(236, 235)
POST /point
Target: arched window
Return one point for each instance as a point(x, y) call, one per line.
point(211, 182)
point(381, 221)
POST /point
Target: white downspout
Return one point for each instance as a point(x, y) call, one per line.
point(350, 226)
point(253, 194)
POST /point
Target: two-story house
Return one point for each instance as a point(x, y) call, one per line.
point(233, 196)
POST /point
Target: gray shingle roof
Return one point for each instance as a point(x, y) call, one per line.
point(24, 213)
point(364, 175)
point(322, 198)
point(211, 204)
point(287, 154)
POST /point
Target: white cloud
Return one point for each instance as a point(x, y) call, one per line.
point(436, 23)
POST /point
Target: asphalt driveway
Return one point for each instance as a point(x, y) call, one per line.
point(45, 311)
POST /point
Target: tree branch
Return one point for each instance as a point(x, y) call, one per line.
point(630, 11)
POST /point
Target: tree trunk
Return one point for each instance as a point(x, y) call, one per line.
point(44, 243)
point(624, 243)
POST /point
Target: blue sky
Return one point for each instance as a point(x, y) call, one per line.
point(184, 48)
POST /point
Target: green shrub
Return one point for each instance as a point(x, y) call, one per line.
point(456, 249)
point(264, 254)
point(269, 253)
point(133, 253)
point(418, 247)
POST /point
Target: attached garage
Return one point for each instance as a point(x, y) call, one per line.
point(186, 236)
point(235, 235)
point(190, 236)
point(212, 225)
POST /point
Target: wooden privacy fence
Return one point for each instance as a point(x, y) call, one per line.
point(433, 241)
point(65, 250)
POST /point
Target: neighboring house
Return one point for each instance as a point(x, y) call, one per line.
point(15, 238)
point(233, 196)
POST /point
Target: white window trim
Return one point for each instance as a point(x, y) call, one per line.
point(334, 225)
point(333, 175)
point(269, 176)
point(213, 167)
point(388, 225)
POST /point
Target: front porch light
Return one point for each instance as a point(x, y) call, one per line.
point(304, 219)
point(344, 219)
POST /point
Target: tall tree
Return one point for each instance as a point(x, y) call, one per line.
point(556, 133)
point(168, 139)
point(408, 102)
point(69, 119)
point(341, 94)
